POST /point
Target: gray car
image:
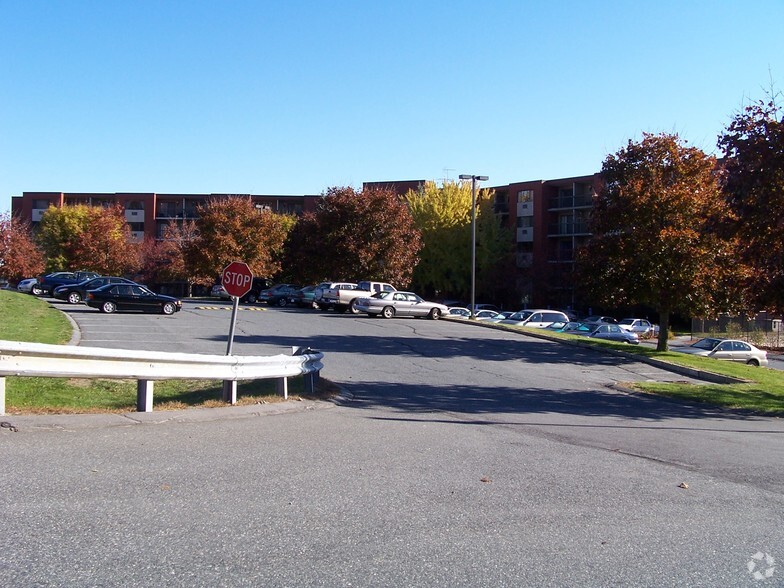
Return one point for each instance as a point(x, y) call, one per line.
point(614, 333)
point(391, 304)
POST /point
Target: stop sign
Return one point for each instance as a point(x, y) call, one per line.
point(237, 279)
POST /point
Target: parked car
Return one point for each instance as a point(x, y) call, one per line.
point(459, 312)
point(75, 293)
point(463, 312)
point(643, 327)
point(535, 318)
point(391, 304)
point(324, 286)
point(727, 350)
point(47, 283)
point(600, 320)
point(218, 291)
point(572, 327)
point(278, 295)
point(304, 297)
point(26, 285)
point(113, 297)
point(614, 333)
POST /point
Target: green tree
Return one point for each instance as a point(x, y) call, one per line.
point(87, 237)
point(443, 215)
point(233, 229)
point(753, 145)
point(656, 238)
point(354, 235)
point(19, 256)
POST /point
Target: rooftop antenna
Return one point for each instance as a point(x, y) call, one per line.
point(446, 171)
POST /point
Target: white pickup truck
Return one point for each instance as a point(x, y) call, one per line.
point(343, 299)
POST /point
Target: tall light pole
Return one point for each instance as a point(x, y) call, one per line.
point(473, 179)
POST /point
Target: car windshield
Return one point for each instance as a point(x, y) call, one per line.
point(521, 315)
point(706, 343)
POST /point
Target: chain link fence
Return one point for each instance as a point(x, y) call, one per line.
point(761, 330)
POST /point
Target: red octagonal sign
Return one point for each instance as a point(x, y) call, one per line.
point(237, 279)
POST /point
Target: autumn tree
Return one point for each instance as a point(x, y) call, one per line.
point(163, 260)
point(87, 237)
point(443, 215)
point(367, 234)
point(657, 236)
point(233, 229)
point(19, 256)
point(754, 183)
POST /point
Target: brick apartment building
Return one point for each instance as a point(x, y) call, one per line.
point(148, 213)
point(549, 219)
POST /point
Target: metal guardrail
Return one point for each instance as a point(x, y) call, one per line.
point(64, 361)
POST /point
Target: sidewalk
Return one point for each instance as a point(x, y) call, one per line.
point(72, 422)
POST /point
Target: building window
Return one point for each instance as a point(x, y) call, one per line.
point(135, 205)
point(525, 196)
point(524, 222)
point(41, 204)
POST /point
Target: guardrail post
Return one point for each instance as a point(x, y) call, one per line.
point(282, 387)
point(311, 378)
point(144, 392)
point(230, 391)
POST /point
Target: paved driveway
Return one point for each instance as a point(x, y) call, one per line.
point(463, 457)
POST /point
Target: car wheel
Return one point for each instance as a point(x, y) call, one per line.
point(388, 312)
point(168, 308)
point(251, 298)
point(108, 307)
point(37, 290)
point(753, 362)
point(434, 314)
point(352, 307)
point(74, 297)
point(282, 301)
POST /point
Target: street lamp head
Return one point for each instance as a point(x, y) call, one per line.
point(473, 177)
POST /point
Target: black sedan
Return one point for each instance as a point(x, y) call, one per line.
point(75, 293)
point(112, 297)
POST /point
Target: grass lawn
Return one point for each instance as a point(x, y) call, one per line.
point(26, 318)
point(763, 393)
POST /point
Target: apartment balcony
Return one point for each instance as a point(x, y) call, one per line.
point(562, 256)
point(568, 229)
point(569, 202)
point(38, 213)
point(169, 211)
point(524, 260)
point(525, 209)
point(525, 234)
point(134, 216)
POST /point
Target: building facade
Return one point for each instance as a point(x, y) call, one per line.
point(549, 220)
point(148, 214)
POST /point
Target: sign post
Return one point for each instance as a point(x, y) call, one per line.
point(237, 280)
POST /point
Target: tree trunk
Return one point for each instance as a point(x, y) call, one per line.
point(664, 330)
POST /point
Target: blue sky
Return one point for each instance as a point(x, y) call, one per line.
point(296, 96)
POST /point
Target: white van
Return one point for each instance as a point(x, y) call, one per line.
point(535, 318)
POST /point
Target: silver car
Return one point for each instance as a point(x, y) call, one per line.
point(391, 304)
point(614, 333)
point(728, 350)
